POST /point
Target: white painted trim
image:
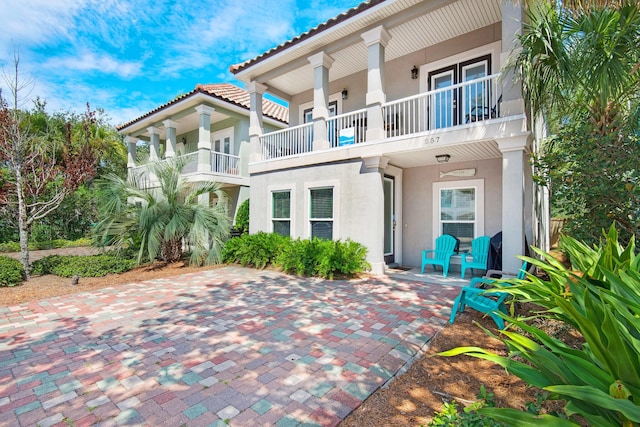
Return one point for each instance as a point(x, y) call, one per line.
point(292, 208)
point(397, 173)
point(321, 59)
point(492, 49)
point(221, 134)
point(478, 184)
point(333, 183)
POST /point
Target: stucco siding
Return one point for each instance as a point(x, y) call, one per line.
point(418, 206)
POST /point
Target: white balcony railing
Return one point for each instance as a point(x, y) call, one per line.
point(225, 163)
point(287, 142)
point(455, 105)
point(221, 163)
point(348, 128)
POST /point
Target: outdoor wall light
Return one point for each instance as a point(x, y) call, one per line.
point(414, 72)
point(443, 158)
point(183, 140)
point(345, 94)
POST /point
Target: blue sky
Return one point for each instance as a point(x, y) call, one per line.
point(129, 56)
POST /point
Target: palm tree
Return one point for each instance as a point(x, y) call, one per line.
point(162, 211)
point(583, 56)
point(578, 62)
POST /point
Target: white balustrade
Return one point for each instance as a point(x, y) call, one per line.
point(460, 104)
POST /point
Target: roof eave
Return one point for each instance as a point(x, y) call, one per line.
point(177, 104)
point(241, 70)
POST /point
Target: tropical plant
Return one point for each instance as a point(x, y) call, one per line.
point(254, 250)
point(595, 179)
point(315, 257)
point(163, 213)
point(579, 65)
point(599, 296)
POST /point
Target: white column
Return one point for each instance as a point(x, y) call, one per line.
point(131, 151)
point(170, 143)
point(374, 239)
point(154, 143)
point(255, 90)
point(513, 199)
point(513, 16)
point(204, 137)
point(375, 40)
point(321, 62)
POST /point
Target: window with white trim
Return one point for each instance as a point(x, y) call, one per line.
point(321, 212)
point(460, 210)
point(281, 212)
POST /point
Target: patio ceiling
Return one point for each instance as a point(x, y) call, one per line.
point(412, 24)
point(459, 153)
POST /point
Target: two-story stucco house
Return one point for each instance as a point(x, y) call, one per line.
point(401, 129)
point(209, 127)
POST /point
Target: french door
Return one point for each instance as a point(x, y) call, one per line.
point(449, 107)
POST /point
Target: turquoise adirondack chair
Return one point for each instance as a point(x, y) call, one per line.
point(478, 256)
point(441, 255)
point(485, 302)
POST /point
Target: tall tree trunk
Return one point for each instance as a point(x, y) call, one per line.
point(23, 225)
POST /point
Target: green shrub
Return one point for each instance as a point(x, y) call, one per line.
point(299, 257)
point(11, 272)
point(254, 250)
point(599, 296)
point(45, 265)
point(10, 247)
point(324, 258)
point(242, 217)
point(346, 258)
point(82, 266)
point(450, 416)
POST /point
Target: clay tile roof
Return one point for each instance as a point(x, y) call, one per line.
point(304, 36)
point(225, 92)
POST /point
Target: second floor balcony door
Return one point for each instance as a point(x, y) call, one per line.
point(443, 101)
point(308, 118)
point(464, 104)
point(222, 146)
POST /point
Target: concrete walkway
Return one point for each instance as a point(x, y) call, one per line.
point(231, 346)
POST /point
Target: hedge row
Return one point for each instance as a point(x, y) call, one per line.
point(51, 244)
point(324, 258)
point(82, 266)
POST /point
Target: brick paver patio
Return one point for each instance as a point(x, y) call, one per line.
point(231, 346)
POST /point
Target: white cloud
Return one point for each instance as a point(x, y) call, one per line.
point(90, 62)
point(129, 56)
point(31, 22)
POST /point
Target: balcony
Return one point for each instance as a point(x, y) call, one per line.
point(221, 166)
point(445, 108)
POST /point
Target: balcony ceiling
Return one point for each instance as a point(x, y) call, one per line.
point(412, 24)
point(458, 152)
